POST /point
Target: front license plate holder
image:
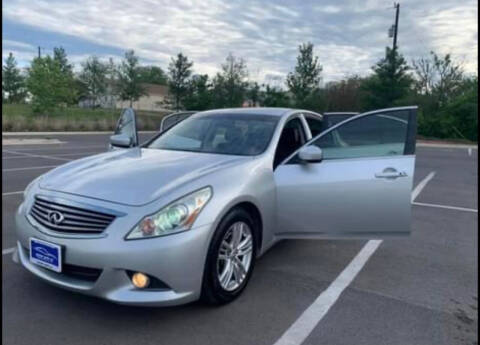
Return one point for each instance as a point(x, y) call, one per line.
point(46, 254)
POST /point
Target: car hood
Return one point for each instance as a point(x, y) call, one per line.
point(135, 176)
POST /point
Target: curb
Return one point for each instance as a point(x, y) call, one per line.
point(453, 146)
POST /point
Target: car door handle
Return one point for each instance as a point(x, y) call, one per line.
point(391, 174)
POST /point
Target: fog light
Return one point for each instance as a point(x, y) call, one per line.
point(140, 280)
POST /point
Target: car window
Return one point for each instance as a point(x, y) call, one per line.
point(235, 134)
point(126, 124)
point(173, 120)
point(292, 138)
point(315, 125)
point(370, 136)
point(332, 120)
point(169, 122)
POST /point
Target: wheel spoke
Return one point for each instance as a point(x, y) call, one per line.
point(237, 235)
point(226, 275)
point(245, 250)
point(247, 239)
point(225, 246)
point(240, 271)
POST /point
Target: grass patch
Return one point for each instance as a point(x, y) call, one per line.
point(20, 118)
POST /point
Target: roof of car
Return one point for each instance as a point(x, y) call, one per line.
point(255, 110)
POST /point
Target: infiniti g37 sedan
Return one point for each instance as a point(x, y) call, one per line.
point(186, 215)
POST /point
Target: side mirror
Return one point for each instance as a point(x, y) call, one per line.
point(311, 154)
point(120, 140)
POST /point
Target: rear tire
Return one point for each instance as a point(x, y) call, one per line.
point(230, 259)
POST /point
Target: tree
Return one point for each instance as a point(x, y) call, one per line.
point(152, 75)
point(94, 77)
point(199, 93)
point(304, 82)
point(179, 70)
point(49, 85)
point(344, 95)
point(129, 87)
point(253, 93)
point(60, 56)
point(13, 83)
point(230, 85)
point(456, 119)
point(389, 84)
point(275, 97)
point(437, 76)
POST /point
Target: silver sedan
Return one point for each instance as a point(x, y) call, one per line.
point(186, 215)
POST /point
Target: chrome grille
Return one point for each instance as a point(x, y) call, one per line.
point(66, 218)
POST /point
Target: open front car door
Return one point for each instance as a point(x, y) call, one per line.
point(353, 180)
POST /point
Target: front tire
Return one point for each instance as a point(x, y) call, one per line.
point(230, 259)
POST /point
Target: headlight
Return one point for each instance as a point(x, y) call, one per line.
point(176, 217)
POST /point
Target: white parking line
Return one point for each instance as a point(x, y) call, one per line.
point(309, 319)
point(8, 251)
point(416, 191)
point(446, 207)
point(57, 155)
point(12, 193)
point(37, 156)
point(469, 151)
point(30, 168)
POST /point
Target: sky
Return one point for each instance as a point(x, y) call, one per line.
point(349, 36)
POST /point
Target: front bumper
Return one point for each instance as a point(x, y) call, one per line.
point(176, 260)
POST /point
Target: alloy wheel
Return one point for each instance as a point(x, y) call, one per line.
point(235, 256)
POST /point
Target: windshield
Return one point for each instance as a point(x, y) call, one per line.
point(234, 134)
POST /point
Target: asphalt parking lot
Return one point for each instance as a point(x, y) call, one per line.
point(418, 290)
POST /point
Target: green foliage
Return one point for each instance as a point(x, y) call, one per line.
point(93, 78)
point(152, 75)
point(13, 83)
point(304, 82)
point(437, 77)
point(199, 93)
point(275, 97)
point(179, 71)
point(447, 99)
point(230, 86)
point(129, 86)
point(253, 93)
point(344, 95)
point(60, 56)
point(389, 84)
point(457, 119)
point(20, 117)
point(50, 84)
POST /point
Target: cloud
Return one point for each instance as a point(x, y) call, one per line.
point(6, 44)
point(349, 36)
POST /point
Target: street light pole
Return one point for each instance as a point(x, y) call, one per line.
point(395, 31)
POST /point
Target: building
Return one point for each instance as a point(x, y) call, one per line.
point(153, 100)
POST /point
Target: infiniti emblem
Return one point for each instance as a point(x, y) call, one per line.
point(55, 217)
